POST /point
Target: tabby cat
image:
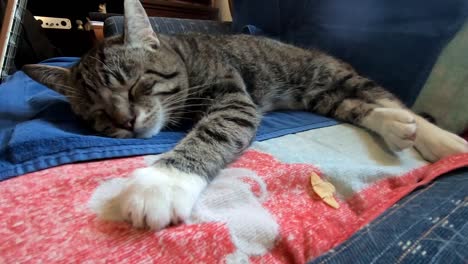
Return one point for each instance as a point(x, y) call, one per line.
point(136, 84)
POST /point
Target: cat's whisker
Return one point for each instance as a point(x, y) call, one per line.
point(191, 97)
point(170, 109)
point(177, 119)
point(177, 95)
point(186, 105)
point(187, 112)
point(192, 91)
point(183, 101)
point(195, 89)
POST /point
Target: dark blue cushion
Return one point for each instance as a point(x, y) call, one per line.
point(394, 42)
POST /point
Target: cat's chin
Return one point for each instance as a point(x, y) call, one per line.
point(143, 128)
point(120, 133)
point(149, 133)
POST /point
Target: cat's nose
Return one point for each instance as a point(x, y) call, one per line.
point(129, 124)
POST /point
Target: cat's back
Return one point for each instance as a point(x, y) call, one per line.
point(268, 67)
point(246, 48)
point(258, 59)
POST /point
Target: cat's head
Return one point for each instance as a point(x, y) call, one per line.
point(127, 86)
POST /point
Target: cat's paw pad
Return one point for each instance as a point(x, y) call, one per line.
point(435, 143)
point(398, 128)
point(151, 197)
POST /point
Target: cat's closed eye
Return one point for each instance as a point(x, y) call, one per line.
point(169, 92)
point(148, 88)
point(132, 91)
point(141, 88)
point(163, 75)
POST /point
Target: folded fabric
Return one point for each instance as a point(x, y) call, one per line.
point(38, 129)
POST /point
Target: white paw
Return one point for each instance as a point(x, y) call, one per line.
point(396, 126)
point(152, 197)
point(435, 143)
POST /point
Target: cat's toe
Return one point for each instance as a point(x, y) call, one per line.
point(133, 209)
point(157, 197)
point(401, 135)
point(398, 144)
point(398, 129)
point(435, 143)
point(157, 212)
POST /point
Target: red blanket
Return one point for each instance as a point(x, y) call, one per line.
point(269, 216)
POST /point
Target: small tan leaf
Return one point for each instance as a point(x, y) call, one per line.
point(324, 190)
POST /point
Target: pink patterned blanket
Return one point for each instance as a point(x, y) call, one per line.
point(260, 210)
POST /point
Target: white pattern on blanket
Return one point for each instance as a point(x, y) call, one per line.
point(351, 158)
point(229, 199)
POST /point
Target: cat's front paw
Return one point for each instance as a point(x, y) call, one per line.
point(396, 126)
point(152, 197)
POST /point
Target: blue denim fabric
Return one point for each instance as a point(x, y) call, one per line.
point(428, 226)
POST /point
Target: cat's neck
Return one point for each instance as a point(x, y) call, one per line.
point(182, 47)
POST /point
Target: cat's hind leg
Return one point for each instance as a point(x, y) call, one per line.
point(431, 141)
point(357, 100)
point(396, 126)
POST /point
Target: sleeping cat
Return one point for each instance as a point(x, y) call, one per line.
point(136, 84)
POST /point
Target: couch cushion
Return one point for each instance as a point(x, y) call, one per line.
point(114, 26)
point(394, 42)
point(445, 94)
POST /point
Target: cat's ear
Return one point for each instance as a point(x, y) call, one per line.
point(138, 30)
point(53, 77)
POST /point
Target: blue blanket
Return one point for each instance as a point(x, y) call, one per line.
point(38, 129)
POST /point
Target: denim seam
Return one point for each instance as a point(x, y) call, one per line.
point(125, 146)
point(427, 233)
point(404, 232)
point(441, 249)
point(35, 162)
